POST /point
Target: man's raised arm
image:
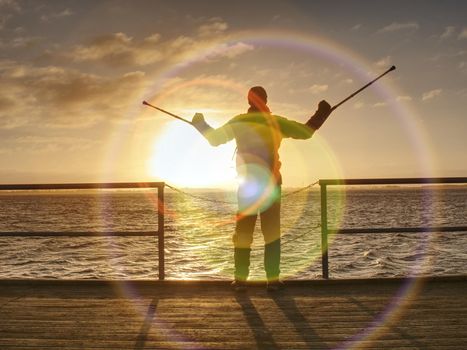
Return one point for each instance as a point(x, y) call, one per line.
point(215, 137)
point(304, 131)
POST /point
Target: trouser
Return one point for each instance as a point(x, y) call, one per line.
point(243, 237)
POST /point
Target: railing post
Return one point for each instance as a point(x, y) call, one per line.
point(324, 231)
point(160, 230)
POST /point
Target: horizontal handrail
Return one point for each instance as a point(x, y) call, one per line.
point(81, 186)
point(400, 229)
point(378, 181)
point(395, 181)
point(80, 234)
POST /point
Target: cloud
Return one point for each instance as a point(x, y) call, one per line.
point(431, 94)
point(440, 56)
point(396, 26)
point(226, 50)
point(20, 42)
point(461, 92)
point(448, 32)
point(404, 98)
point(58, 97)
point(121, 50)
point(117, 49)
point(3, 20)
point(6, 7)
point(462, 66)
point(463, 34)
point(10, 5)
point(383, 62)
point(356, 27)
point(380, 104)
point(6, 103)
point(215, 26)
point(153, 38)
point(358, 105)
point(47, 144)
point(56, 15)
point(316, 89)
point(212, 91)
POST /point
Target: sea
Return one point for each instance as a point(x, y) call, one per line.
point(199, 226)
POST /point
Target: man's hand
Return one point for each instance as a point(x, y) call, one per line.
point(324, 108)
point(198, 119)
point(320, 116)
point(200, 124)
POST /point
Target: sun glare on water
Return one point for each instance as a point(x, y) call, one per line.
point(182, 157)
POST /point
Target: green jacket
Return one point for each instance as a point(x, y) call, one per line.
point(258, 136)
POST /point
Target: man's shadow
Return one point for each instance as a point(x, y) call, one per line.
point(286, 303)
point(146, 326)
point(263, 337)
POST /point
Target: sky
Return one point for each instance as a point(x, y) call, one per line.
point(74, 73)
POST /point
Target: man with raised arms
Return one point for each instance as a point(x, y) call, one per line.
point(258, 134)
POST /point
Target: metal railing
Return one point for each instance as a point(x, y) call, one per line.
point(97, 186)
point(325, 231)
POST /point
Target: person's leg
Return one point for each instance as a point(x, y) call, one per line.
point(270, 226)
point(242, 240)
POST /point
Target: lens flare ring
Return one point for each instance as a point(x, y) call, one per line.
point(358, 68)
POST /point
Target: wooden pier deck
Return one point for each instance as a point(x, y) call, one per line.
point(371, 314)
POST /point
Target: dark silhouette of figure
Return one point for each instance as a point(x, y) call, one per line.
point(258, 134)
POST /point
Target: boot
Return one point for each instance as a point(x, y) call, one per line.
point(239, 285)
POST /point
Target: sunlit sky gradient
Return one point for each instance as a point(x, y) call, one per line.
point(74, 73)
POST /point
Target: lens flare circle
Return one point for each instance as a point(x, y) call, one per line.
point(359, 69)
point(257, 188)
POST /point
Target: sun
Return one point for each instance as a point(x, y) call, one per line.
point(182, 157)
